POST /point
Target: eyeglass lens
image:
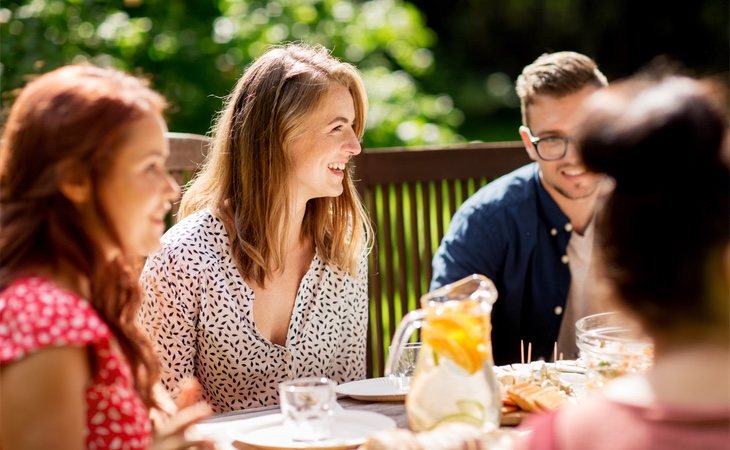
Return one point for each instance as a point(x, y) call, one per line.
point(552, 147)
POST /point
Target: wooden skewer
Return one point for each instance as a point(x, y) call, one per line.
point(555, 351)
point(522, 351)
point(529, 352)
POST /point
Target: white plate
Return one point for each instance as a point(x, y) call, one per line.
point(351, 429)
point(381, 389)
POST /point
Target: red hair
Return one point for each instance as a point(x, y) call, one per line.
point(74, 118)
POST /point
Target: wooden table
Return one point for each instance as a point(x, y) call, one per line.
point(214, 427)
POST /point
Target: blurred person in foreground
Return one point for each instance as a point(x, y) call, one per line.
point(83, 193)
point(665, 255)
point(265, 277)
point(531, 231)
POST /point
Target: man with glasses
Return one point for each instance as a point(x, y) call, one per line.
point(531, 231)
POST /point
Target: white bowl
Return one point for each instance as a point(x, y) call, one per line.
point(612, 345)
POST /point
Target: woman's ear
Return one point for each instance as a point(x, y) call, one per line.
point(74, 183)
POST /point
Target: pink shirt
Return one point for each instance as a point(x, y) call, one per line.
point(36, 314)
point(603, 423)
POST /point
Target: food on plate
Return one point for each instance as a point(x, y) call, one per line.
point(531, 398)
point(539, 373)
point(538, 386)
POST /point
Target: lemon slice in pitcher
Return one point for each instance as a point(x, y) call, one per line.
point(456, 331)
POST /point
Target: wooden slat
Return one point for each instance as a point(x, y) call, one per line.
point(187, 151)
point(375, 336)
point(427, 249)
point(452, 199)
point(464, 194)
point(400, 270)
point(389, 273)
point(398, 165)
point(439, 194)
point(415, 244)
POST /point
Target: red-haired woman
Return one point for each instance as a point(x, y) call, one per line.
point(83, 192)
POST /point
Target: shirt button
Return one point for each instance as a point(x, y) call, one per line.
point(568, 227)
point(553, 232)
point(558, 310)
point(564, 259)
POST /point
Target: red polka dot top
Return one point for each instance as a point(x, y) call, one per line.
point(35, 314)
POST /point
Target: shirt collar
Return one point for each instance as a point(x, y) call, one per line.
point(549, 211)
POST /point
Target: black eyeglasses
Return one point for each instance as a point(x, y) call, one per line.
point(550, 148)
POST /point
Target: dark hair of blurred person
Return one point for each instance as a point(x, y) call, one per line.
point(664, 234)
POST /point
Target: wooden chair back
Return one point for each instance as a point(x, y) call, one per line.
point(187, 153)
point(411, 195)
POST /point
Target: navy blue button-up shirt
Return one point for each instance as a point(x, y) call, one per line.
point(513, 232)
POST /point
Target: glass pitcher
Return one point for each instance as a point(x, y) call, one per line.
point(454, 380)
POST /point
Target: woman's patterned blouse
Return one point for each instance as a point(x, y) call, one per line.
point(199, 315)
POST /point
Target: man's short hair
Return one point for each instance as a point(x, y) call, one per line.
point(556, 74)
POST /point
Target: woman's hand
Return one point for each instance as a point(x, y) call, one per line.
point(171, 435)
point(174, 418)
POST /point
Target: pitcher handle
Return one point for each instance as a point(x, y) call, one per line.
point(410, 323)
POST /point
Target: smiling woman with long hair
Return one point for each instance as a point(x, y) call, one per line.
point(265, 277)
point(83, 193)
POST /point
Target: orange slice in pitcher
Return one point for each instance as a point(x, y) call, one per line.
point(457, 332)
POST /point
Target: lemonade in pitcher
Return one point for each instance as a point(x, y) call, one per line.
point(454, 380)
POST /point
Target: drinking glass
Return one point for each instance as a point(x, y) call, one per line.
point(307, 405)
point(405, 366)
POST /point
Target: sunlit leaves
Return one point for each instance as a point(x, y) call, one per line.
point(194, 52)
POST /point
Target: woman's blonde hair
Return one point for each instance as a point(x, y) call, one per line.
point(247, 166)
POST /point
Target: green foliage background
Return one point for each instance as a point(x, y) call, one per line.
point(484, 44)
point(437, 72)
point(193, 52)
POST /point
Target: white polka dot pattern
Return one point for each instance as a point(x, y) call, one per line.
point(34, 314)
point(199, 315)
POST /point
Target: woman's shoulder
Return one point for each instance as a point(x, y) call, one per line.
point(650, 426)
point(36, 313)
point(200, 223)
point(555, 429)
point(199, 232)
point(35, 294)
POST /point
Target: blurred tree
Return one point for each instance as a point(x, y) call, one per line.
point(484, 44)
point(471, 51)
point(194, 51)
